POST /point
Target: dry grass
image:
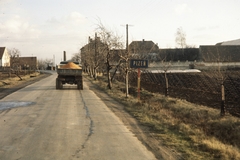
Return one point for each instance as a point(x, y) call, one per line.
point(14, 80)
point(197, 132)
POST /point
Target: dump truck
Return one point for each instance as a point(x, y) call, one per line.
point(69, 73)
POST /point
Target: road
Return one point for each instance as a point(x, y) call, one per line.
point(39, 122)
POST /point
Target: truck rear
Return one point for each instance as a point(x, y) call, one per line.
point(69, 73)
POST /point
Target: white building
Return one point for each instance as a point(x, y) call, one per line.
point(4, 57)
point(232, 42)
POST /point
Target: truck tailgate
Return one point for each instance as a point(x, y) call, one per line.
point(69, 72)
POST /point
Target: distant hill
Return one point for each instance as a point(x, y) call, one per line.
point(233, 42)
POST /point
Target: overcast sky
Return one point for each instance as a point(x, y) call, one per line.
point(46, 28)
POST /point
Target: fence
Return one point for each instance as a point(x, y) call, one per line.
point(8, 73)
point(202, 88)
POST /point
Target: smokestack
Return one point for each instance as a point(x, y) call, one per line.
point(64, 55)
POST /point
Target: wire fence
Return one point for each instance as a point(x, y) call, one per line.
point(202, 88)
point(8, 73)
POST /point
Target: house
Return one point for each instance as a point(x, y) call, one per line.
point(143, 47)
point(4, 57)
point(228, 43)
point(95, 48)
point(24, 63)
point(220, 53)
point(179, 54)
point(28, 62)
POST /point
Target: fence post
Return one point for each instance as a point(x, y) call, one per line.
point(166, 84)
point(223, 100)
point(138, 83)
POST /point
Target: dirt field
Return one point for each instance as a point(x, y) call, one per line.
point(202, 88)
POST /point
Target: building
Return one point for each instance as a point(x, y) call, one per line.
point(29, 63)
point(179, 54)
point(24, 63)
point(228, 43)
point(142, 47)
point(4, 57)
point(95, 48)
point(220, 53)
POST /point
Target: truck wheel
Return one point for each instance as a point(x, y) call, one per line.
point(60, 84)
point(57, 84)
point(81, 81)
point(79, 85)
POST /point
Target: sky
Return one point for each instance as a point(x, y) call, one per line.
point(46, 28)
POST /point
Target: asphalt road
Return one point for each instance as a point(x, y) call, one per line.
point(39, 122)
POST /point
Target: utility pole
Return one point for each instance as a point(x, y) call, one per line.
point(54, 63)
point(95, 61)
point(127, 60)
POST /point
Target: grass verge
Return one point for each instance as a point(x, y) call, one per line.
point(12, 81)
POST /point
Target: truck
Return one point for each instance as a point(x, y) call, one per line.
point(69, 73)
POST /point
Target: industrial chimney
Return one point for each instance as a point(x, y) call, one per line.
point(64, 55)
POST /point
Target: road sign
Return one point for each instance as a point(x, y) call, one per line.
point(138, 63)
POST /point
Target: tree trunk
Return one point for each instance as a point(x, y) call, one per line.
point(115, 71)
point(223, 100)
point(95, 73)
point(18, 75)
point(91, 72)
point(166, 84)
point(126, 82)
point(109, 79)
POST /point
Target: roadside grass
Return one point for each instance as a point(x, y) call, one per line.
point(14, 80)
point(196, 132)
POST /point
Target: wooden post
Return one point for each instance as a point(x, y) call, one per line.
point(166, 84)
point(127, 61)
point(223, 100)
point(138, 84)
point(138, 63)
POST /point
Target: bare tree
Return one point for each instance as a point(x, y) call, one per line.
point(85, 58)
point(76, 57)
point(166, 66)
point(98, 54)
point(41, 64)
point(48, 62)
point(14, 56)
point(92, 55)
point(44, 63)
point(15, 61)
point(111, 51)
point(180, 38)
point(218, 56)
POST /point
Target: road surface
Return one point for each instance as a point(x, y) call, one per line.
point(39, 122)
